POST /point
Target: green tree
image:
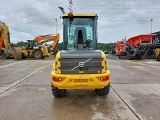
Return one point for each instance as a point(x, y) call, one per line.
point(106, 46)
point(21, 43)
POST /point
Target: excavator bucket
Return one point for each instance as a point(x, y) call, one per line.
point(17, 53)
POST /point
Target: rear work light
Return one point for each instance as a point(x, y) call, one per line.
point(105, 78)
point(56, 79)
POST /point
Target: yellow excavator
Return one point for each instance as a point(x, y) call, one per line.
point(6, 49)
point(80, 65)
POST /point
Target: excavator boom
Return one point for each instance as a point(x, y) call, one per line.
point(4, 36)
point(47, 38)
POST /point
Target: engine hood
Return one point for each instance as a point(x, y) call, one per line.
point(80, 61)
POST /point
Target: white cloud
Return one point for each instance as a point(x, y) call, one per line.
point(20, 36)
point(117, 19)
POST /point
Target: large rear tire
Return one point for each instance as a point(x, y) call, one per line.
point(104, 91)
point(57, 92)
point(37, 54)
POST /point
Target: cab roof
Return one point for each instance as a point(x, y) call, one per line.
point(81, 15)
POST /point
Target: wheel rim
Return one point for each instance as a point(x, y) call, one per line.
point(37, 55)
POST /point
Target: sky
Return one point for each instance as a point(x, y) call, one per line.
point(117, 19)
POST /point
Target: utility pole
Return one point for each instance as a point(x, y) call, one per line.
point(56, 25)
point(151, 25)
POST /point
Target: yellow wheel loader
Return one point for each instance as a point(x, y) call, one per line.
point(37, 49)
point(34, 50)
point(80, 65)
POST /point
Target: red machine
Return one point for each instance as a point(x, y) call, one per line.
point(134, 47)
point(120, 47)
point(137, 40)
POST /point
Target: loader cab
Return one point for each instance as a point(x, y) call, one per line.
point(80, 31)
point(31, 44)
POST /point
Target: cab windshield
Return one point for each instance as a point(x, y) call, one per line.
point(87, 26)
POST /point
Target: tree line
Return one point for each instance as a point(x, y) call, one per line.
point(101, 46)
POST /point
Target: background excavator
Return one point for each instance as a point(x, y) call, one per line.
point(6, 49)
point(35, 48)
point(42, 39)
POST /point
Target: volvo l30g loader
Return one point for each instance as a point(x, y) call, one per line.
point(80, 65)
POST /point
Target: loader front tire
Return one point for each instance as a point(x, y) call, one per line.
point(37, 54)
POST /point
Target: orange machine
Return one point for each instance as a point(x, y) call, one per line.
point(137, 40)
point(120, 47)
point(134, 47)
point(46, 38)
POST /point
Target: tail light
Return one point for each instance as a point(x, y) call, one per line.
point(56, 79)
point(105, 78)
